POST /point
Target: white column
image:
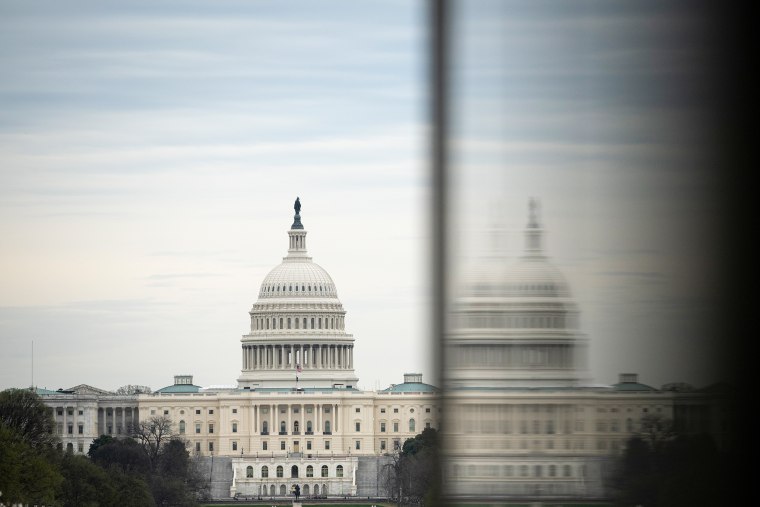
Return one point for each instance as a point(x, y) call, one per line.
point(289, 429)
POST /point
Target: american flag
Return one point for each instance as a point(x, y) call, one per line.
point(298, 368)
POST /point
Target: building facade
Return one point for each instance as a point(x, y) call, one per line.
point(521, 417)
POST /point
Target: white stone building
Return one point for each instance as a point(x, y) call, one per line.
point(522, 419)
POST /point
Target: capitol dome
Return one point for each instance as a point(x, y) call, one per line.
point(297, 336)
point(303, 279)
point(516, 324)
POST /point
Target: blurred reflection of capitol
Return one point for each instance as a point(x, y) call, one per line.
point(522, 418)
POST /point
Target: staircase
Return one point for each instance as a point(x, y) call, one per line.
point(218, 472)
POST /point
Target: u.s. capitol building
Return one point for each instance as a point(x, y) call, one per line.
point(522, 418)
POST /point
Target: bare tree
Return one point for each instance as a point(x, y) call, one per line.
point(152, 434)
point(656, 430)
point(129, 390)
point(392, 477)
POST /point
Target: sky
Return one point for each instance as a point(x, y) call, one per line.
point(150, 154)
point(604, 112)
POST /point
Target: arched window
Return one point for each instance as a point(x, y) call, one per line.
point(298, 322)
point(339, 471)
point(295, 426)
point(308, 426)
point(306, 490)
point(304, 322)
point(264, 471)
point(293, 472)
point(316, 489)
point(279, 471)
point(288, 322)
point(324, 489)
point(265, 427)
point(312, 322)
point(249, 471)
point(271, 490)
point(182, 427)
point(281, 322)
point(324, 470)
point(283, 428)
point(411, 425)
point(327, 426)
point(282, 489)
point(309, 471)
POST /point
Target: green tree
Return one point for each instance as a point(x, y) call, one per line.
point(670, 471)
point(25, 413)
point(28, 460)
point(98, 443)
point(413, 476)
point(131, 489)
point(85, 484)
point(124, 454)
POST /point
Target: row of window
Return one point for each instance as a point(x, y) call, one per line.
point(516, 322)
point(496, 471)
point(395, 410)
point(535, 445)
point(412, 425)
point(268, 289)
point(294, 471)
point(535, 427)
point(261, 323)
point(272, 490)
point(80, 429)
point(296, 427)
point(197, 411)
point(505, 356)
point(69, 411)
point(283, 445)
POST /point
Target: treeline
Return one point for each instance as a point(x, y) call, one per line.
point(662, 467)
point(151, 468)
